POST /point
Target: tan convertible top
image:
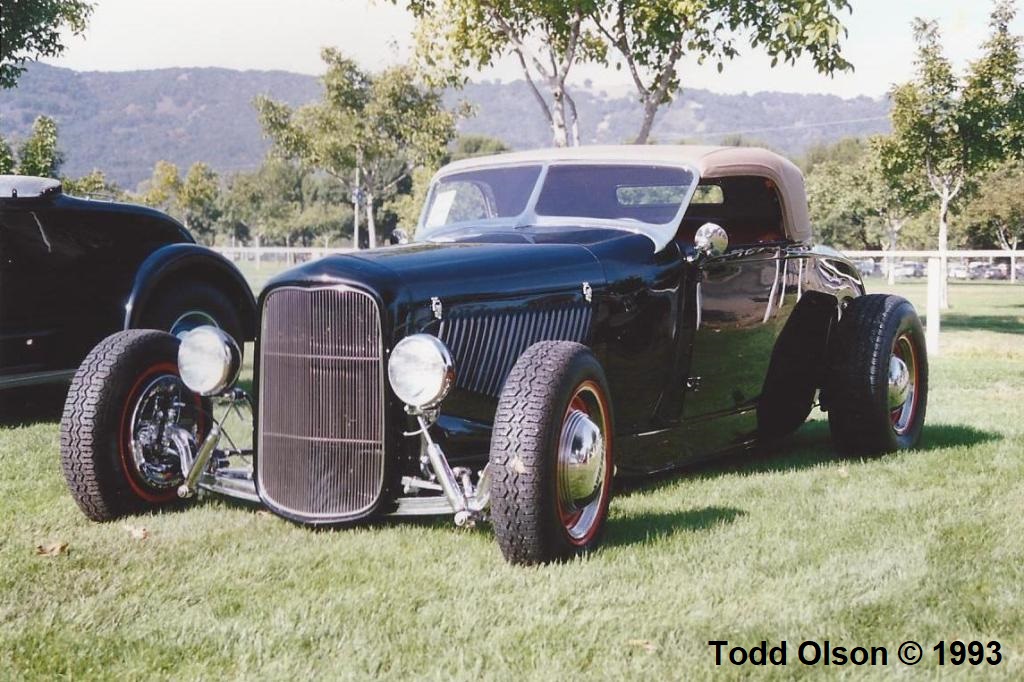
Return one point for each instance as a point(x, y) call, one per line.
point(709, 162)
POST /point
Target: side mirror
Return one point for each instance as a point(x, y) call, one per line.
point(710, 240)
point(398, 236)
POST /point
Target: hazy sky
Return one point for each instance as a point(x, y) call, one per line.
point(264, 34)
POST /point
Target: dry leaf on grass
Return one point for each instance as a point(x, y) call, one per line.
point(263, 514)
point(52, 549)
point(645, 644)
point(137, 532)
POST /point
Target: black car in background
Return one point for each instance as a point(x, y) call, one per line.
point(73, 271)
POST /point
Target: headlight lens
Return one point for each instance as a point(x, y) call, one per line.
point(421, 371)
point(208, 360)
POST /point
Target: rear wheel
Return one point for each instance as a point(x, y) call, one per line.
point(878, 376)
point(180, 309)
point(551, 455)
point(129, 426)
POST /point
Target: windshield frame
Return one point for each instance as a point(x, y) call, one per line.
point(659, 233)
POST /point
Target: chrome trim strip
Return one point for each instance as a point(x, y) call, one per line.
point(36, 378)
point(422, 506)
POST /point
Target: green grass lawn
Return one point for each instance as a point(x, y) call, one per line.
point(791, 544)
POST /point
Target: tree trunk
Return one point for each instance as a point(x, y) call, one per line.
point(650, 110)
point(560, 135)
point(574, 128)
point(891, 266)
point(944, 246)
point(355, 211)
point(371, 223)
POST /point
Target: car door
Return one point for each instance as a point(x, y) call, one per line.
point(735, 331)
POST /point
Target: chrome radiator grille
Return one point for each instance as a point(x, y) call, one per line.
point(485, 347)
point(321, 403)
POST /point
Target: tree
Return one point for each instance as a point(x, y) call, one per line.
point(995, 215)
point(548, 38)
point(854, 203)
point(468, 146)
point(161, 190)
point(38, 154)
point(281, 203)
point(846, 150)
point(197, 200)
point(653, 36)
point(897, 196)
point(368, 132)
point(6, 157)
point(92, 184)
point(947, 129)
point(30, 29)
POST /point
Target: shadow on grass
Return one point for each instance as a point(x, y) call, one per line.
point(809, 447)
point(650, 526)
point(1008, 324)
point(34, 405)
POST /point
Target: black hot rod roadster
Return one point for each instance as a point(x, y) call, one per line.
point(562, 317)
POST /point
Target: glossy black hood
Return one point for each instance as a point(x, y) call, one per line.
point(457, 272)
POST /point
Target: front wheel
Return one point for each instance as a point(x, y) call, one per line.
point(878, 376)
point(551, 455)
point(129, 423)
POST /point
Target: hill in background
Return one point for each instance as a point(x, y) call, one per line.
point(124, 122)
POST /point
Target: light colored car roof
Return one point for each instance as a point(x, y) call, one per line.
point(708, 161)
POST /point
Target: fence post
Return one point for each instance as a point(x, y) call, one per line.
point(934, 304)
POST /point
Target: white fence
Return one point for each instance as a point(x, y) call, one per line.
point(260, 255)
point(961, 265)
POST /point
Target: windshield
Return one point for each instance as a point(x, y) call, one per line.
point(637, 197)
point(479, 196)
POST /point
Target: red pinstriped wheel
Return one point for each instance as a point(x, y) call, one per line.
point(127, 420)
point(551, 455)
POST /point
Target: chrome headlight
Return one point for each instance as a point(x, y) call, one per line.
point(208, 360)
point(421, 371)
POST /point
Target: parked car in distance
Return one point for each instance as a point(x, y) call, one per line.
point(73, 271)
point(977, 269)
point(564, 316)
point(909, 268)
point(867, 267)
point(997, 271)
point(959, 271)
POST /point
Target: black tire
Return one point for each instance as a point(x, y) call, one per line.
point(873, 328)
point(190, 304)
point(549, 383)
point(95, 434)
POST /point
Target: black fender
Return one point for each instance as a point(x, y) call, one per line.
point(196, 263)
point(798, 364)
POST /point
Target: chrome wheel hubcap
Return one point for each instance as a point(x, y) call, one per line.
point(581, 458)
point(161, 445)
point(899, 382)
point(902, 399)
point(583, 469)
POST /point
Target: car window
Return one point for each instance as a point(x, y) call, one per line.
point(480, 195)
point(747, 206)
point(649, 194)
